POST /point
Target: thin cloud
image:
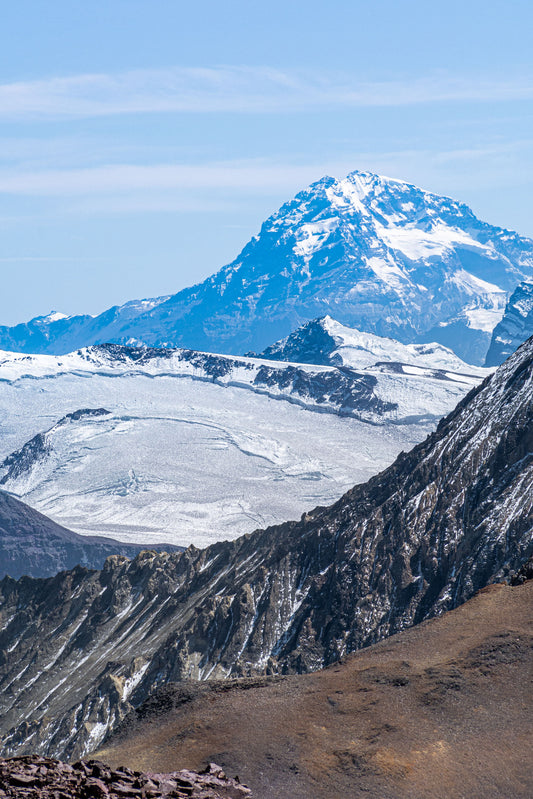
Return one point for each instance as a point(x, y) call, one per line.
point(238, 90)
point(142, 184)
point(159, 177)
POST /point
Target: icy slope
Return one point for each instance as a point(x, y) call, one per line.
point(377, 254)
point(180, 446)
point(515, 327)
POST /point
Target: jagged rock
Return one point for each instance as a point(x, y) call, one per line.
point(326, 341)
point(35, 450)
point(32, 544)
point(523, 574)
point(310, 343)
point(420, 714)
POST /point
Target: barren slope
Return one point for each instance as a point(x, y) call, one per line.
point(441, 711)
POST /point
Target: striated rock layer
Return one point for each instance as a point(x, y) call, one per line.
point(78, 651)
point(443, 710)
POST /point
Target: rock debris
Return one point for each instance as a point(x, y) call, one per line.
point(35, 777)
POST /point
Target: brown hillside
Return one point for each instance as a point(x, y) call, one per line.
point(440, 711)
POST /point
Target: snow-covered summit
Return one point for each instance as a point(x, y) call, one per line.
point(53, 316)
point(377, 254)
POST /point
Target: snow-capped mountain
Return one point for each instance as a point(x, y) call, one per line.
point(58, 333)
point(444, 520)
point(377, 254)
point(515, 327)
point(154, 445)
point(326, 341)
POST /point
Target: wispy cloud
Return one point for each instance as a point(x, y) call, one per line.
point(237, 89)
point(158, 177)
point(160, 185)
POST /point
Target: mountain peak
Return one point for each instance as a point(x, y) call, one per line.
point(376, 253)
point(326, 341)
point(53, 316)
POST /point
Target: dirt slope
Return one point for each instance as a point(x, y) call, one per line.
point(441, 711)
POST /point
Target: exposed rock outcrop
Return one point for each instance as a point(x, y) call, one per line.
point(37, 448)
point(439, 711)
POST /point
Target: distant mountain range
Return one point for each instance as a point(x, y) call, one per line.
point(151, 445)
point(377, 254)
point(79, 650)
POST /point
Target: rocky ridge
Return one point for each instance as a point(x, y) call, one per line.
point(344, 392)
point(44, 778)
point(449, 517)
point(442, 710)
point(34, 545)
point(376, 253)
point(515, 326)
point(36, 449)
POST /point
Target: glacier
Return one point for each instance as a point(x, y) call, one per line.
point(151, 445)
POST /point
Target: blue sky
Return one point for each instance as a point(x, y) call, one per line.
point(142, 142)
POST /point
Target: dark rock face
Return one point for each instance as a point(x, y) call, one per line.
point(23, 460)
point(448, 518)
point(32, 544)
point(515, 327)
point(345, 389)
point(523, 574)
point(310, 343)
point(44, 778)
point(430, 708)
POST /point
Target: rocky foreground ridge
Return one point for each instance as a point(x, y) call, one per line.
point(80, 650)
point(36, 777)
point(443, 710)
